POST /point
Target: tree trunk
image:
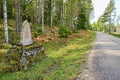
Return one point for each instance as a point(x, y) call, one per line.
point(43, 16)
point(110, 24)
point(51, 16)
point(19, 15)
point(37, 11)
point(0, 9)
point(62, 13)
point(5, 21)
point(17, 7)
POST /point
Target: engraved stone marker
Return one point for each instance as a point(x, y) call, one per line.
point(26, 38)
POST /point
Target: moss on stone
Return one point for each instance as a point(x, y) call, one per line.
point(32, 53)
point(12, 62)
point(2, 54)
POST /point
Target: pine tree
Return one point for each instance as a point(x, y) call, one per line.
point(108, 13)
point(17, 8)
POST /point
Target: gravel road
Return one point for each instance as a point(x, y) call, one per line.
point(104, 60)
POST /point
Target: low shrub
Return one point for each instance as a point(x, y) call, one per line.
point(63, 32)
point(6, 46)
point(14, 38)
point(2, 54)
point(74, 31)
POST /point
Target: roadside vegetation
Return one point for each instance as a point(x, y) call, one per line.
point(65, 54)
point(117, 35)
point(65, 59)
point(61, 27)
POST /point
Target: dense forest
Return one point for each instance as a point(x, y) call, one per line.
point(72, 15)
point(50, 39)
point(59, 38)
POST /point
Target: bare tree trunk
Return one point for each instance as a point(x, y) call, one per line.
point(51, 16)
point(5, 21)
point(0, 9)
point(43, 16)
point(62, 13)
point(37, 10)
point(17, 7)
point(19, 15)
point(110, 24)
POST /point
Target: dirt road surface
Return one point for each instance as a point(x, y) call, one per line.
point(104, 60)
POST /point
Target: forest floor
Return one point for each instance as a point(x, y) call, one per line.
point(104, 58)
point(66, 58)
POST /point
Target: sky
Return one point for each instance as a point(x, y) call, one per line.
point(100, 5)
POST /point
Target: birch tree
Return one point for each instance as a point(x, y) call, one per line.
point(62, 13)
point(43, 16)
point(5, 21)
point(51, 15)
point(39, 11)
point(71, 13)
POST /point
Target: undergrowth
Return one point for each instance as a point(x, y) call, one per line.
point(64, 60)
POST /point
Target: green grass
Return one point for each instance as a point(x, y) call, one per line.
point(64, 61)
point(117, 35)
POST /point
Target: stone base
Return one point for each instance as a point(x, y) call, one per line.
point(21, 57)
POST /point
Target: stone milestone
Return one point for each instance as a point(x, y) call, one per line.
point(26, 37)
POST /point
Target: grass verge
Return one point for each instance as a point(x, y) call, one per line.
point(64, 60)
point(117, 35)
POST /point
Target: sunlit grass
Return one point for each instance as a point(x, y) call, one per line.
point(117, 35)
point(63, 62)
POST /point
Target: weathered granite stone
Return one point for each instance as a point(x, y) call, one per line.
point(26, 38)
point(23, 60)
point(25, 67)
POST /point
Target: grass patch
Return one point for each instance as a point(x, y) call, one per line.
point(117, 35)
point(64, 60)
